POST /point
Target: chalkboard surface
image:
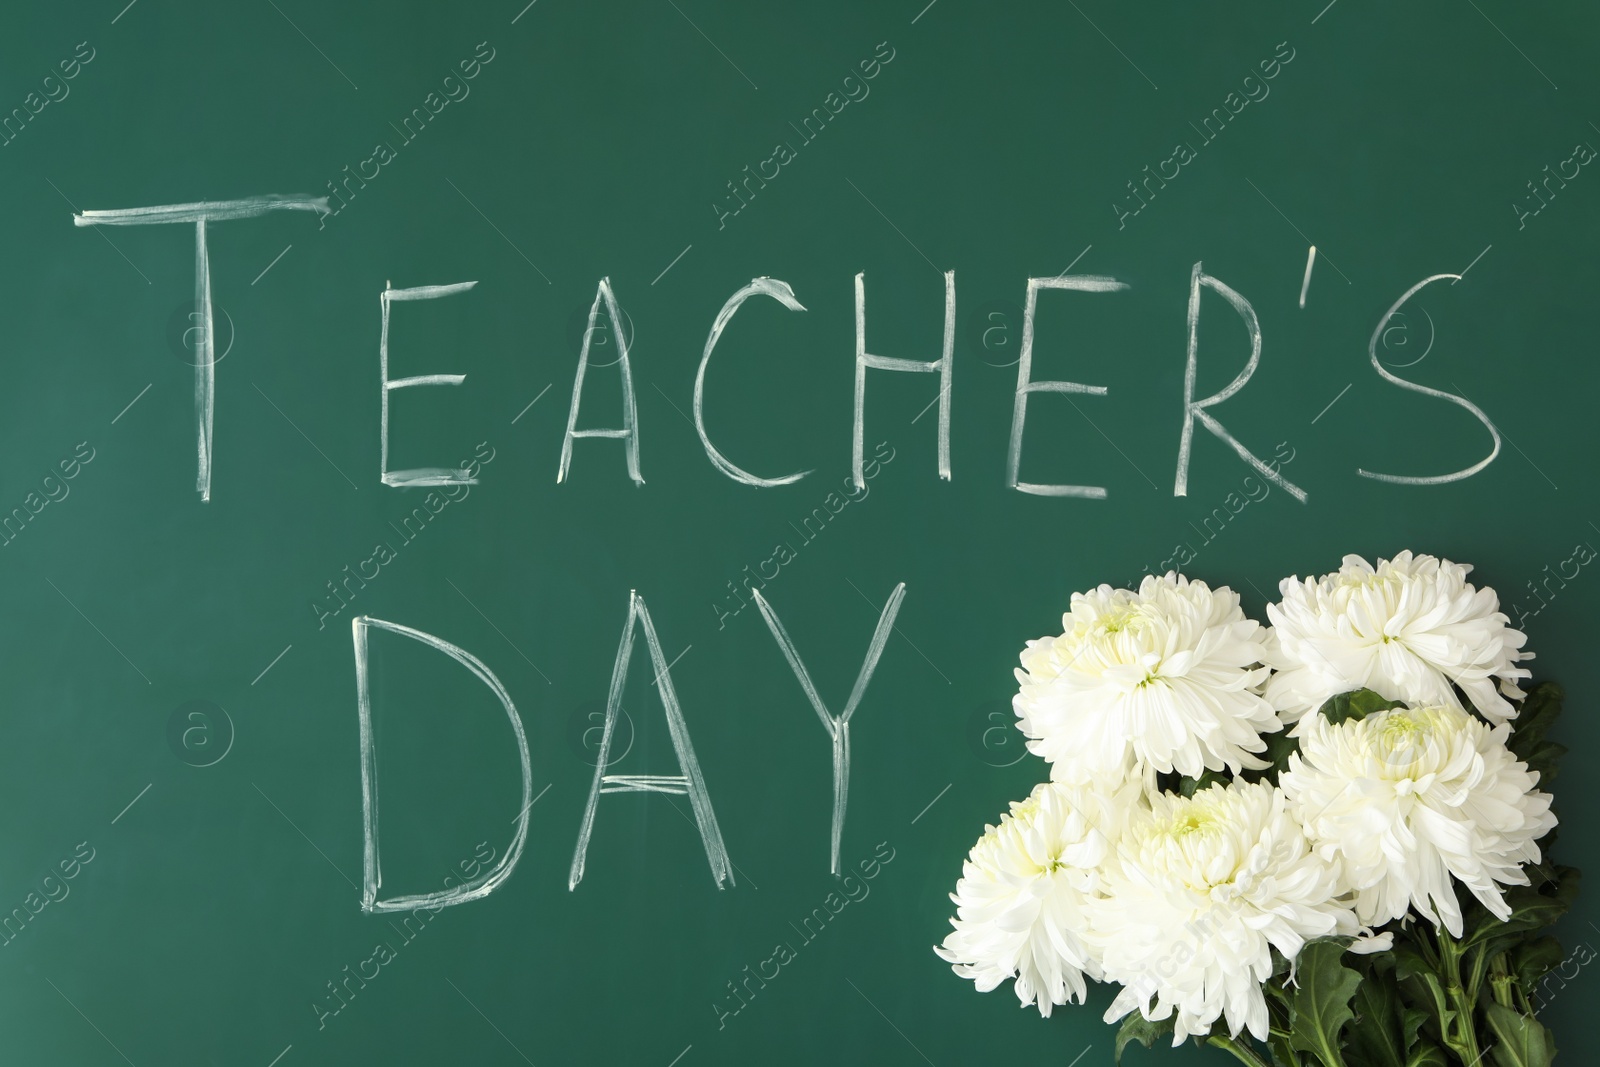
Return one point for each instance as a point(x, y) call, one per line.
point(230, 434)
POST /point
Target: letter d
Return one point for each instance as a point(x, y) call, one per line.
point(489, 880)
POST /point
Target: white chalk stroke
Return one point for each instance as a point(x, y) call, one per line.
point(784, 295)
point(200, 213)
point(943, 367)
point(689, 782)
point(1196, 409)
point(838, 726)
point(1390, 376)
point(372, 870)
point(1026, 386)
point(419, 475)
point(630, 407)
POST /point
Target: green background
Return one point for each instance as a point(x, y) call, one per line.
point(595, 144)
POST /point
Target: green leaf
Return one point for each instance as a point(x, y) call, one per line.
point(1527, 742)
point(1280, 746)
point(1428, 1055)
point(1243, 1049)
point(1321, 1000)
point(1190, 786)
point(1357, 704)
point(1532, 960)
point(1411, 1023)
point(1407, 960)
point(1378, 1038)
point(1531, 908)
point(1282, 1054)
point(1544, 759)
point(1135, 1027)
point(1423, 990)
point(1537, 713)
point(1521, 1040)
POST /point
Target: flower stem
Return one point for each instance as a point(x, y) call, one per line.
point(1465, 1039)
point(1501, 983)
point(1243, 1049)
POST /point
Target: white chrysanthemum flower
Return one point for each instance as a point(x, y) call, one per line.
point(1156, 680)
point(1019, 903)
point(1408, 629)
point(1200, 891)
point(1404, 799)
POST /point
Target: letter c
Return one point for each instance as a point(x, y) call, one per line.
point(784, 295)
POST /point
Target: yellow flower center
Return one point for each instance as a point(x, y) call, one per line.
point(1373, 580)
point(1401, 731)
point(1192, 821)
point(1119, 620)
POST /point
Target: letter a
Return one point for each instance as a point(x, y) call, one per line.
point(689, 782)
point(630, 408)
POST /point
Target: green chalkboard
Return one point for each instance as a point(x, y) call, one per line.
point(194, 756)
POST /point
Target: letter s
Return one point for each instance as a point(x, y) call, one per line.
point(1388, 375)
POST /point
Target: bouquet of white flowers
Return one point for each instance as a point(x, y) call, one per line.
point(1259, 832)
